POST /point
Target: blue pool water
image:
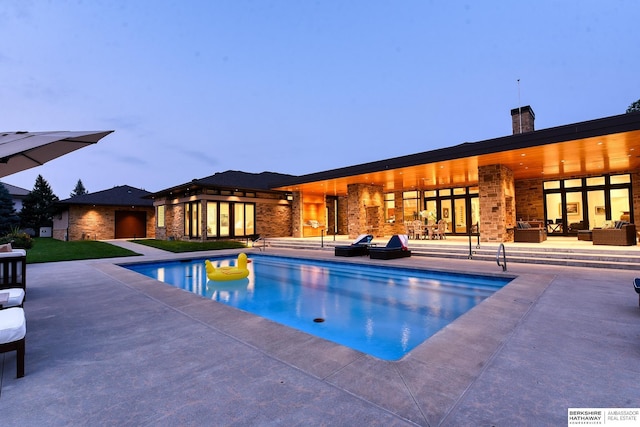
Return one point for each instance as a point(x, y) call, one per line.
point(382, 311)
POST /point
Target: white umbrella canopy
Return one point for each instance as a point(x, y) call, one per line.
point(24, 150)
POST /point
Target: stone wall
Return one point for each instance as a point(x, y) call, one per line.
point(343, 215)
point(529, 200)
point(98, 222)
point(635, 196)
point(296, 215)
point(174, 223)
point(497, 203)
point(273, 220)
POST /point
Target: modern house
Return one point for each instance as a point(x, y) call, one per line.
point(567, 178)
point(118, 213)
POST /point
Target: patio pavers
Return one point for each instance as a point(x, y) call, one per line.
point(106, 346)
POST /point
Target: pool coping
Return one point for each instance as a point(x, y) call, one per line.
point(423, 387)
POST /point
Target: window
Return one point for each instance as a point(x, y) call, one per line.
point(620, 179)
point(389, 207)
point(192, 219)
point(572, 183)
point(410, 205)
point(457, 207)
point(212, 219)
point(227, 219)
point(160, 216)
point(238, 219)
point(224, 219)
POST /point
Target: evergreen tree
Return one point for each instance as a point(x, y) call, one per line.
point(8, 216)
point(634, 107)
point(38, 207)
point(79, 190)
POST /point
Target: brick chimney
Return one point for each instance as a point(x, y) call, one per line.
point(522, 119)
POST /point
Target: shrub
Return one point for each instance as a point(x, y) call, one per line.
point(18, 239)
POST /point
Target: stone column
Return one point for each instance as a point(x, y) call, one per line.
point(296, 214)
point(363, 199)
point(497, 203)
point(399, 227)
point(635, 198)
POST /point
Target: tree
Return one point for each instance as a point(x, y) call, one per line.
point(9, 218)
point(635, 107)
point(79, 190)
point(38, 208)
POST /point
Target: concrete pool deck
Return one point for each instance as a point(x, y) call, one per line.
point(107, 346)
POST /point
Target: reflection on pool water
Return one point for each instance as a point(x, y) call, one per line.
point(382, 311)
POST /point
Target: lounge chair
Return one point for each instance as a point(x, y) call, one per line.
point(636, 285)
point(396, 248)
point(13, 329)
point(358, 248)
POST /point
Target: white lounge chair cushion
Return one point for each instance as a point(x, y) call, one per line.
point(16, 296)
point(15, 253)
point(13, 326)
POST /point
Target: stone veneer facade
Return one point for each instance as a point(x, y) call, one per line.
point(83, 222)
point(497, 203)
point(529, 199)
point(365, 204)
point(635, 196)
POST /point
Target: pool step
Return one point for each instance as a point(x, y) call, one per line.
point(571, 257)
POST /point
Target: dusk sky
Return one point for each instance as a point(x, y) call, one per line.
point(192, 88)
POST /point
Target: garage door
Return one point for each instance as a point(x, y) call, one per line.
point(131, 225)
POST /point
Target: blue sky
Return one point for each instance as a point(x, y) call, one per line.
point(196, 87)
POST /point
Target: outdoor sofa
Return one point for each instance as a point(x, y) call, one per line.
point(396, 248)
point(525, 233)
point(621, 234)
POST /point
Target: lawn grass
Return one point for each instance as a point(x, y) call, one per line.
point(50, 250)
point(178, 246)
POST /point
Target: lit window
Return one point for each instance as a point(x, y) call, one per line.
point(160, 215)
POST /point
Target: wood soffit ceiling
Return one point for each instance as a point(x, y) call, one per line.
point(593, 155)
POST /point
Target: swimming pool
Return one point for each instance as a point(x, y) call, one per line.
point(382, 311)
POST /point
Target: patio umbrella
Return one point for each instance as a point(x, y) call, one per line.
point(24, 150)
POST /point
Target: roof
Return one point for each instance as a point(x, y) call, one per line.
point(15, 191)
point(626, 126)
point(122, 195)
point(231, 179)
point(246, 180)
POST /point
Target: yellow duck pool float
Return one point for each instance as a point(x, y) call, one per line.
point(223, 274)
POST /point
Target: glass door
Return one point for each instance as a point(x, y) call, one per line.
point(555, 223)
point(573, 209)
point(596, 209)
point(460, 216)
